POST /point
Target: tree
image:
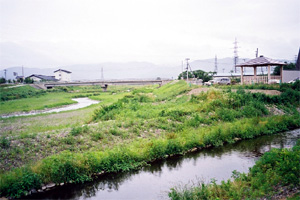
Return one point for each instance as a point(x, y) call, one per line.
point(28, 80)
point(286, 67)
point(2, 80)
point(199, 74)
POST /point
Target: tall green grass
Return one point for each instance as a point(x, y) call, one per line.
point(151, 124)
point(26, 91)
point(48, 100)
point(171, 90)
point(79, 167)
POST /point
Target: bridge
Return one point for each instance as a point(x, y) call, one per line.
point(104, 84)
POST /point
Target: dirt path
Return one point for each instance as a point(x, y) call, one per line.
point(268, 92)
point(198, 91)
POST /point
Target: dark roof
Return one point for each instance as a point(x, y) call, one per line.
point(260, 61)
point(63, 71)
point(43, 77)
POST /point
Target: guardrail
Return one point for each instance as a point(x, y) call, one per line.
point(105, 84)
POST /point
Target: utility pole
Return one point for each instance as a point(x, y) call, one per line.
point(102, 75)
point(235, 51)
point(187, 69)
point(256, 52)
point(22, 71)
point(182, 69)
point(216, 64)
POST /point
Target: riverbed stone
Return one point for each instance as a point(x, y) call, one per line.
point(33, 191)
point(50, 185)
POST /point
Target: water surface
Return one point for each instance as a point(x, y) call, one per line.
point(81, 103)
point(155, 181)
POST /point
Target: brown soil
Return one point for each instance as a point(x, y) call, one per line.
point(268, 92)
point(198, 90)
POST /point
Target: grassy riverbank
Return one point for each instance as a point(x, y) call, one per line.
point(129, 129)
point(26, 98)
point(274, 176)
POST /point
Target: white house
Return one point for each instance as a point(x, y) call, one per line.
point(62, 75)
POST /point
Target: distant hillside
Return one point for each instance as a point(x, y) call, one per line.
point(129, 70)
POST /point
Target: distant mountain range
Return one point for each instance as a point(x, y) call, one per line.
point(129, 70)
point(12, 53)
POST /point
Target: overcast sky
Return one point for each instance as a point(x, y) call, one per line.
point(47, 32)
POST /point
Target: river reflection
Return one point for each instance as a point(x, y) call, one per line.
point(154, 182)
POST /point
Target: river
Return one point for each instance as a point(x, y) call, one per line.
point(81, 103)
point(155, 181)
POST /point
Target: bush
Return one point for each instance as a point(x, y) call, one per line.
point(4, 142)
point(79, 130)
point(18, 182)
point(227, 115)
point(97, 136)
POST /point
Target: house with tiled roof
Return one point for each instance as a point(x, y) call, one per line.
point(41, 78)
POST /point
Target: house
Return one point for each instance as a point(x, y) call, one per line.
point(41, 78)
point(62, 75)
point(20, 79)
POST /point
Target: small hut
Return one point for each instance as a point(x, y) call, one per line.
point(261, 62)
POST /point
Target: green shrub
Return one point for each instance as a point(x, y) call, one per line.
point(18, 182)
point(79, 130)
point(157, 149)
point(174, 147)
point(227, 115)
point(97, 136)
point(4, 142)
point(69, 140)
point(64, 168)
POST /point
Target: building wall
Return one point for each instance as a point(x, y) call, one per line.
point(35, 79)
point(288, 75)
point(63, 76)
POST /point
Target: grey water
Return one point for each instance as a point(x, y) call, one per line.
point(155, 181)
point(81, 103)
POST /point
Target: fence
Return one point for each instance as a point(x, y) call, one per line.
point(261, 79)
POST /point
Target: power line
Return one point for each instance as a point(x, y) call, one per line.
point(216, 64)
point(236, 57)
